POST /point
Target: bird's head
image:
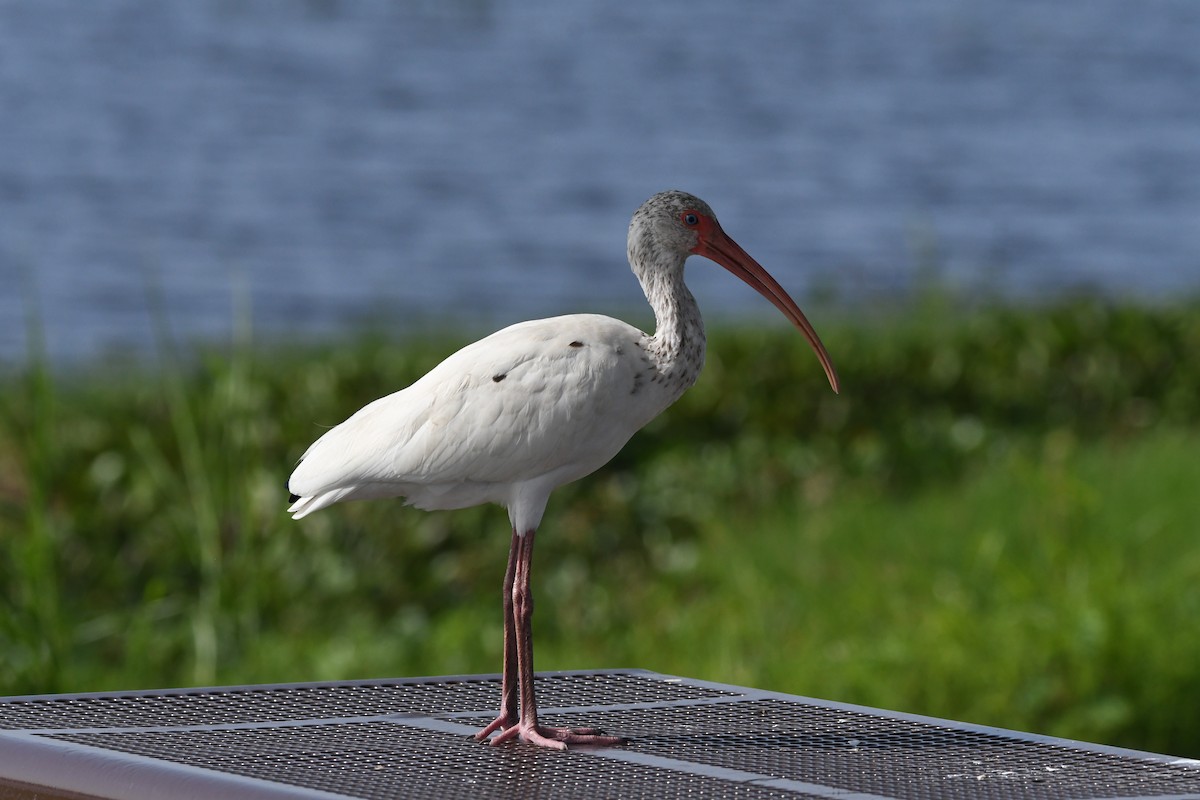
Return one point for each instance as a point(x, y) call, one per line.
point(673, 225)
point(670, 225)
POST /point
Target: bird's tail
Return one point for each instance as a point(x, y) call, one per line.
point(302, 506)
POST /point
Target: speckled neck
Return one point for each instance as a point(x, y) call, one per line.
point(658, 246)
point(677, 346)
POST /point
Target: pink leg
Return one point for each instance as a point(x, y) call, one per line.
point(528, 728)
point(508, 684)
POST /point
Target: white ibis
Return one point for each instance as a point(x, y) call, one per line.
point(512, 417)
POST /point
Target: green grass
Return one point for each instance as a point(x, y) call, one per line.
point(1056, 592)
point(995, 522)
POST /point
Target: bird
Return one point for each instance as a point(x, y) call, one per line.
point(536, 405)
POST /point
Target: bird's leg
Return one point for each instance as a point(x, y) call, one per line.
point(528, 728)
point(508, 683)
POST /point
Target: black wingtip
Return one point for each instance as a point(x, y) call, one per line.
point(291, 497)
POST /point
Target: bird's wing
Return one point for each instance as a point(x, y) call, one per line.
point(532, 398)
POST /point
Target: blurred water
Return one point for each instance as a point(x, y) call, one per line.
point(327, 160)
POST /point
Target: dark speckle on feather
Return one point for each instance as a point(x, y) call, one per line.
point(500, 377)
point(576, 344)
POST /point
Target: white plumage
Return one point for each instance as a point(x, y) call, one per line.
point(515, 415)
point(504, 420)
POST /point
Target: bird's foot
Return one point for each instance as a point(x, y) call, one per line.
point(546, 736)
point(504, 722)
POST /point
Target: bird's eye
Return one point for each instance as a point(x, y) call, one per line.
point(690, 219)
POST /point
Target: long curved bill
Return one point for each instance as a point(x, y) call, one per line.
point(719, 247)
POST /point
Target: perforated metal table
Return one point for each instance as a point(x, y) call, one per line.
point(410, 738)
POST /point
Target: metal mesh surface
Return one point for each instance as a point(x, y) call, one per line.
point(384, 760)
point(410, 738)
point(883, 756)
point(326, 701)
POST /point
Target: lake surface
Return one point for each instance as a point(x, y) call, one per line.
point(310, 164)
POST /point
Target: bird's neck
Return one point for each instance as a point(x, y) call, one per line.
point(677, 346)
